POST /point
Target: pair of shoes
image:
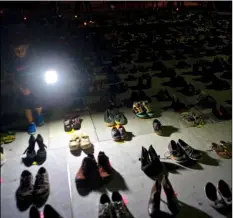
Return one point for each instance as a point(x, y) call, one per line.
point(220, 197)
point(119, 133)
point(7, 137)
point(154, 201)
point(142, 109)
point(32, 126)
point(192, 119)
point(38, 194)
point(157, 126)
point(79, 141)
point(181, 152)
point(72, 123)
point(115, 208)
point(150, 163)
point(49, 212)
point(91, 172)
point(3, 159)
point(30, 152)
point(223, 149)
point(112, 117)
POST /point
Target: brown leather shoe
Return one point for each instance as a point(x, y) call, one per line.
point(154, 202)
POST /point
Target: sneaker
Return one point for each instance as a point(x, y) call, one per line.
point(41, 153)
point(76, 123)
point(41, 187)
point(119, 206)
point(154, 201)
point(40, 120)
point(172, 202)
point(119, 117)
point(123, 132)
point(50, 212)
point(139, 110)
point(192, 153)
point(116, 135)
point(34, 212)
point(105, 208)
point(148, 109)
point(32, 129)
point(109, 118)
point(67, 125)
point(105, 169)
point(30, 151)
point(157, 126)
point(225, 192)
point(176, 152)
point(24, 193)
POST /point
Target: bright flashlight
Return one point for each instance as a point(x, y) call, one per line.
point(51, 77)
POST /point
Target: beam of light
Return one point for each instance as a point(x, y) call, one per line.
point(51, 77)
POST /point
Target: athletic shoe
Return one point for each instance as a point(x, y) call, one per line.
point(105, 208)
point(109, 118)
point(176, 152)
point(50, 212)
point(119, 117)
point(157, 126)
point(172, 202)
point(116, 135)
point(34, 212)
point(41, 153)
point(123, 132)
point(30, 151)
point(139, 110)
point(119, 206)
point(154, 201)
point(148, 109)
point(41, 187)
point(225, 192)
point(40, 120)
point(32, 129)
point(24, 193)
point(105, 169)
point(192, 153)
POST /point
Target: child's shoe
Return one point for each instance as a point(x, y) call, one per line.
point(32, 129)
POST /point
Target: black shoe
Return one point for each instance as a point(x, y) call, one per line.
point(76, 123)
point(119, 206)
point(105, 169)
point(50, 212)
point(30, 152)
point(41, 187)
point(34, 212)
point(123, 133)
point(116, 134)
point(105, 209)
point(154, 201)
point(67, 125)
point(41, 153)
point(24, 193)
point(119, 118)
point(225, 192)
point(109, 118)
point(176, 152)
point(172, 202)
point(157, 126)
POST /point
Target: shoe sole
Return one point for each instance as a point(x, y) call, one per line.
point(109, 124)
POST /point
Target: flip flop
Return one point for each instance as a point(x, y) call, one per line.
point(85, 141)
point(74, 143)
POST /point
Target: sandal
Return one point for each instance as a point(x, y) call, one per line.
point(85, 141)
point(221, 150)
point(74, 143)
point(192, 153)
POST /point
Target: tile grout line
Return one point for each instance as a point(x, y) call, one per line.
point(93, 125)
point(69, 186)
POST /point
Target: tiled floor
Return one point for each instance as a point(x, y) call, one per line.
point(129, 179)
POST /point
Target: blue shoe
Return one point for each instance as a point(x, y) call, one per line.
point(40, 120)
point(32, 129)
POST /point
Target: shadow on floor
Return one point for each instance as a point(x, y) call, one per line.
point(207, 160)
point(173, 168)
point(130, 136)
point(193, 165)
point(168, 130)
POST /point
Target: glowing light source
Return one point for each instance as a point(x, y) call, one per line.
point(51, 76)
point(85, 23)
point(75, 16)
point(177, 9)
point(25, 18)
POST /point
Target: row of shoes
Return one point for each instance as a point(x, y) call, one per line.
point(114, 117)
point(73, 123)
point(31, 156)
point(36, 194)
point(142, 110)
point(79, 140)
